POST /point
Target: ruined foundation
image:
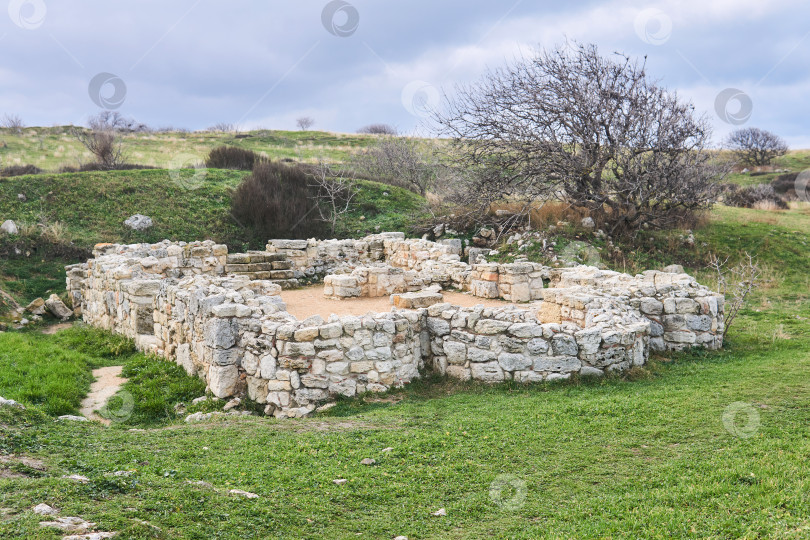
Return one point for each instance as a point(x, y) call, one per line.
point(221, 316)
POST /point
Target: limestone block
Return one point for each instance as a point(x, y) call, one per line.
point(514, 362)
point(222, 380)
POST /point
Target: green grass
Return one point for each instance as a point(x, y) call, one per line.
point(52, 148)
point(93, 206)
point(648, 456)
point(644, 456)
point(53, 372)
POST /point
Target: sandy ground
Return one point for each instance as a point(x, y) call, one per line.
point(303, 303)
point(108, 382)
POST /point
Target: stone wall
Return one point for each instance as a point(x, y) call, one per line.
point(372, 282)
point(210, 312)
point(234, 333)
point(497, 344)
point(682, 313)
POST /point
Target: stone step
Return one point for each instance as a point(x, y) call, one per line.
point(255, 257)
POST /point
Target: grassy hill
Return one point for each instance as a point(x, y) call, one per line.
point(82, 209)
point(51, 148)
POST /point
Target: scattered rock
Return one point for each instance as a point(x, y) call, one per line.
point(368, 461)
point(71, 418)
point(69, 524)
point(387, 449)
point(673, 269)
point(340, 481)
point(77, 478)
point(91, 536)
point(21, 197)
point(139, 222)
point(440, 512)
point(201, 416)
point(326, 407)
point(37, 307)
point(201, 483)
point(487, 233)
point(9, 227)
point(58, 308)
point(416, 300)
point(44, 510)
point(203, 398)
point(232, 404)
point(245, 494)
point(400, 538)
point(10, 403)
point(588, 223)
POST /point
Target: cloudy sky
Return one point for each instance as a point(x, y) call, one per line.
point(193, 63)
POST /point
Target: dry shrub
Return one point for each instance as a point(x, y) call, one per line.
point(750, 196)
point(277, 201)
point(231, 157)
point(19, 170)
point(785, 185)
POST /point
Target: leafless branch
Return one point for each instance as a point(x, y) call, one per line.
point(735, 283)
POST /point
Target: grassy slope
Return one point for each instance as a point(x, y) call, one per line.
point(795, 160)
point(93, 206)
point(51, 148)
point(648, 458)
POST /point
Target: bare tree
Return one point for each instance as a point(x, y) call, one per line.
point(115, 121)
point(222, 127)
point(400, 161)
point(305, 122)
point(13, 122)
point(378, 129)
point(334, 192)
point(735, 283)
point(102, 140)
point(754, 146)
point(590, 130)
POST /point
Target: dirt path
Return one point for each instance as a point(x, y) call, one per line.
point(108, 382)
point(54, 328)
point(303, 303)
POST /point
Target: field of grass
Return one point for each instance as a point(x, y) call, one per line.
point(697, 445)
point(52, 148)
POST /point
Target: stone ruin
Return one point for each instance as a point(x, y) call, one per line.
point(221, 316)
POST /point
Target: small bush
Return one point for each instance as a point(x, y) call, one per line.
point(761, 196)
point(378, 129)
point(19, 170)
point(277, 201)
point(785, 185)
point(231, 157)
